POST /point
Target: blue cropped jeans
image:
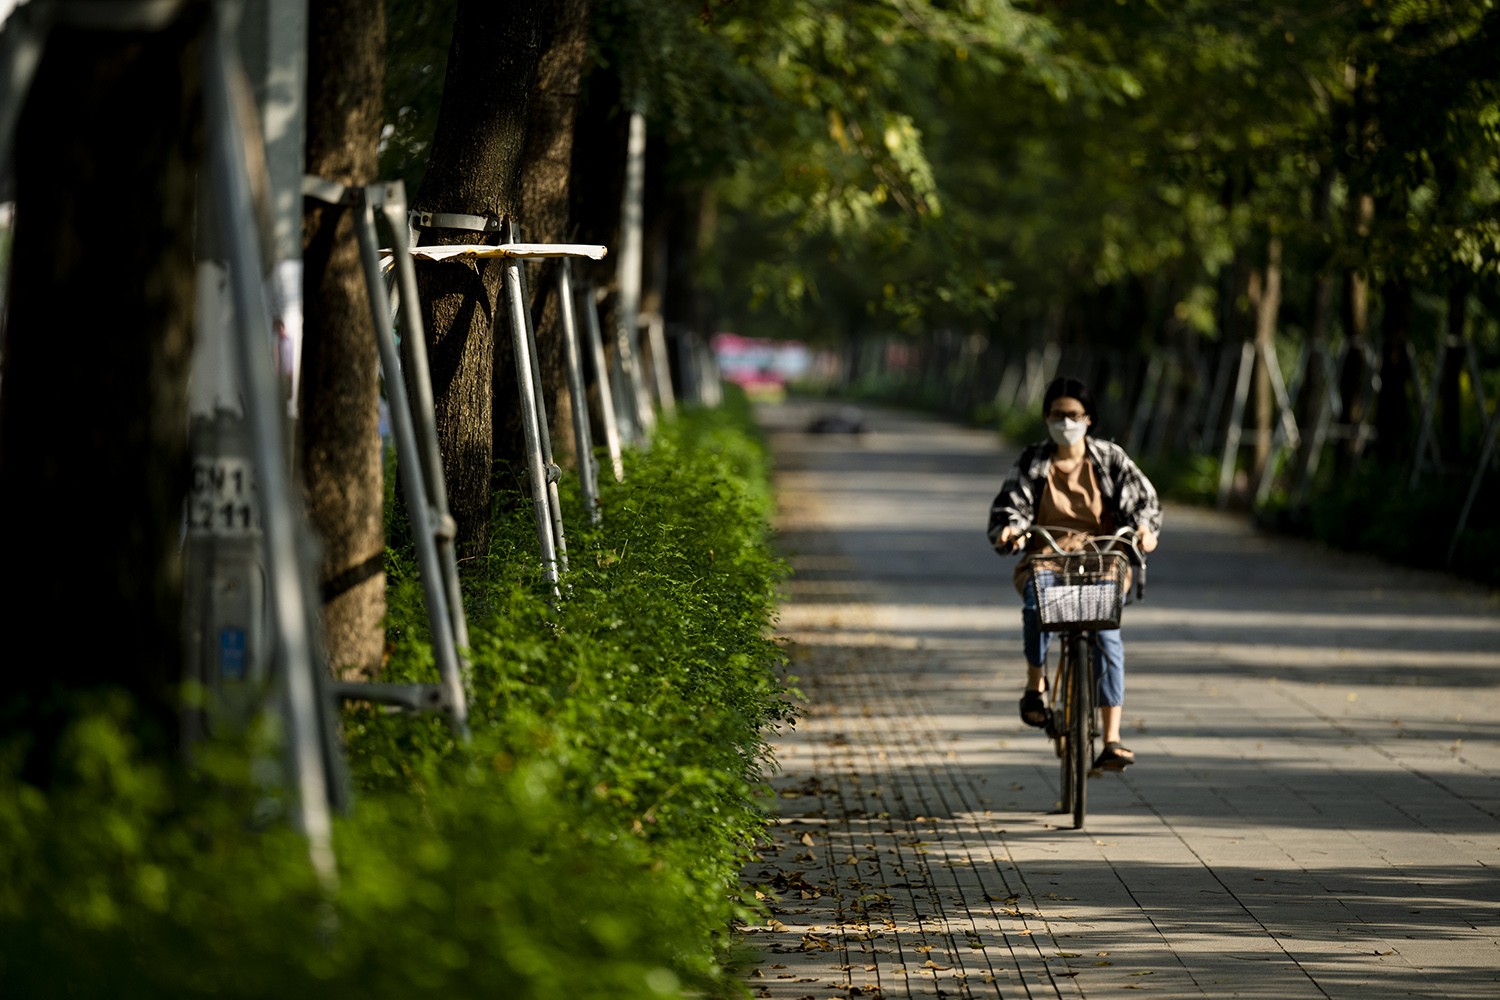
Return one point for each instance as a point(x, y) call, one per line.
point(1109, 651)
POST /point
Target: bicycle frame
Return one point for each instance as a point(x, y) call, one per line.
point(1076, 727)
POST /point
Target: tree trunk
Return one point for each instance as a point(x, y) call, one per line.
point(340, 448)
point(1450, 391)
point(475, 169)
point(1354, 373)
point(546, 217)
point(1313, 389)
point(93, 416)
point(1238, 284)
point(598, 186)
point(685, 310)
point(1454, 191)
point(1393, 415)
point(1267, 307)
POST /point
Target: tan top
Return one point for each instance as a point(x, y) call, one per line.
point(1070, 500)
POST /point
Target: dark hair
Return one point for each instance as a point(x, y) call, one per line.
point(1072, 388)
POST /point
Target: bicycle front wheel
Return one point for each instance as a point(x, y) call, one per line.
point(1080, 717)
point(1062, 724)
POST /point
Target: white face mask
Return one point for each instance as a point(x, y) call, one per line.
point(1067, 431)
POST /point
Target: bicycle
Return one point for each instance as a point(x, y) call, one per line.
point(1079, 592)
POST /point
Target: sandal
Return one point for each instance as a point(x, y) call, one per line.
point(1115, 757)
point(1034, 710)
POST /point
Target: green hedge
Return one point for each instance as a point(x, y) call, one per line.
point(1374, 510)
point(586, 842)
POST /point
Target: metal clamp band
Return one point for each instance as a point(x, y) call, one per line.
point(451, 220)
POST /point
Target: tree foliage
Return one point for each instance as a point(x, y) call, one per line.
point(912, 164)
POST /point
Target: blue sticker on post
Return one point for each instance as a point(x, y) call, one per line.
point(232, 653)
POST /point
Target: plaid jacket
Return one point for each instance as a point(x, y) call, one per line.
point(1129, 498)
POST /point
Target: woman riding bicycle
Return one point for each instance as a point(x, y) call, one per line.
point(1088, 487)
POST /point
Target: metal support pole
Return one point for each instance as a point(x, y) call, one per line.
point(1214, 411)
point(1165, 409)
point(583, 438)
point(1287, 434)
point(542, 472)
point(1491, 432)
point(544, 431)
point(1145, 404)
point(425, 500)
point(661, 367)
point(524, 382)
point(286, 547)
point(413, 356)
point(609, 415)
point(1327, 404)
point(1237, 414)
point(628, 277)
point(713, 377)
point(1009, 385)
point(21, 44)
point(1427, 445)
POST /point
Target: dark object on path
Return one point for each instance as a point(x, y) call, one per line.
point(848, 420)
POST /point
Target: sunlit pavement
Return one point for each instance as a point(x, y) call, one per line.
point(1315, 811)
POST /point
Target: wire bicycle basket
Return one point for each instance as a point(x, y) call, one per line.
point(1079, 590)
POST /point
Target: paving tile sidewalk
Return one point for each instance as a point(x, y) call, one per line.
point(1315, 813)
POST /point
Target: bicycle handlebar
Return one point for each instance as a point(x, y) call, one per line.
point(1092, 543)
